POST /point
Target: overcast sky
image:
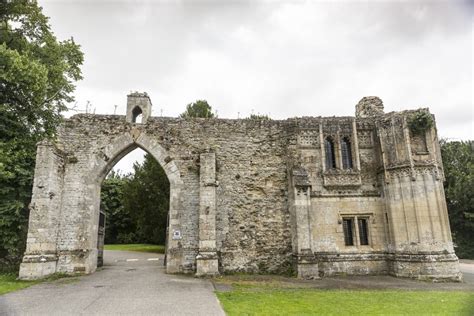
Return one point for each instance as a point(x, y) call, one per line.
point(285, 58)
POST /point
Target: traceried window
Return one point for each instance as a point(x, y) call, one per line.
point(346, 153)
point(348, 225)
point(330, 154)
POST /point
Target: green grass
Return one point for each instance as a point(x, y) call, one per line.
point(137, 247)
point(254, 300)
point(9, 283)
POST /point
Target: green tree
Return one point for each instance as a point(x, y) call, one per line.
point(458, 161)
point(37, 76)
point(146, 199)
point(120, 226)
point(200, 108)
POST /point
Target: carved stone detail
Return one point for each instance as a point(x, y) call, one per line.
point(365, 139)
point(405, 171)
point(342, 179)
point(309, 138)
point(418, 144)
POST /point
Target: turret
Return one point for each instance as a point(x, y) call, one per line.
point(138, 107)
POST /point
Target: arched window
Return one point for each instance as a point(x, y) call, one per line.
point(137, 115)
point(346, 153)
point(330, 154)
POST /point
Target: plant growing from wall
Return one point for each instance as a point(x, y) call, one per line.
point(420, 121)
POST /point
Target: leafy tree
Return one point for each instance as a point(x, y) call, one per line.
point(37, 76)
point(146, 199)
point(458, 161)
point(120, 226)
point(200, 108)
point(38, 71)
point(136, 205)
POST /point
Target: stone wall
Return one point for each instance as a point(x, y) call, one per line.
point(253, 195)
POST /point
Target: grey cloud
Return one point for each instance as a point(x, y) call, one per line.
point(284, 58)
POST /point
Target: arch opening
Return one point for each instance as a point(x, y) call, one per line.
point(110, 155)
point(134, 205)
point(137, 115)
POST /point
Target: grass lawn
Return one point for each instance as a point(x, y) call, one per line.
point(9, 283)
point(137, 247)
point(255, 300)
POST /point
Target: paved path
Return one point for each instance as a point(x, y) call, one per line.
point(131, 287)
point(467, 269)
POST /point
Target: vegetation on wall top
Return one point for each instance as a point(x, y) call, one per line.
point(420, 121)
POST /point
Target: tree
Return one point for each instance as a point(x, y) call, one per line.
point(39, 72)
point(146, 199)
point(136, 205)
point(120, 226)
point(458, 161)
point(200, 108)
point(37, 79)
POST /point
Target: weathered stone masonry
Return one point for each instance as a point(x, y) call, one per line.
point(322, 196)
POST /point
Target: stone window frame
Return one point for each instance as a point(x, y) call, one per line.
point(355, 228)
point(348, 236)
point(364, 220)
point(347, 160)
point(336, 134)
point(331, 161)
point(338, 156)
point(338, 177)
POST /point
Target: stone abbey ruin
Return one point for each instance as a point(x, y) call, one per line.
point(320, 196)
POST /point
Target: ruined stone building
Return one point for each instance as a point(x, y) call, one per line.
point(319, 196)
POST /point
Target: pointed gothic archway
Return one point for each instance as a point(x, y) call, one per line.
point(65, 207)
point(118, 149)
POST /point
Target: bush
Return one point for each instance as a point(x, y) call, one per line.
point(420, 121)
